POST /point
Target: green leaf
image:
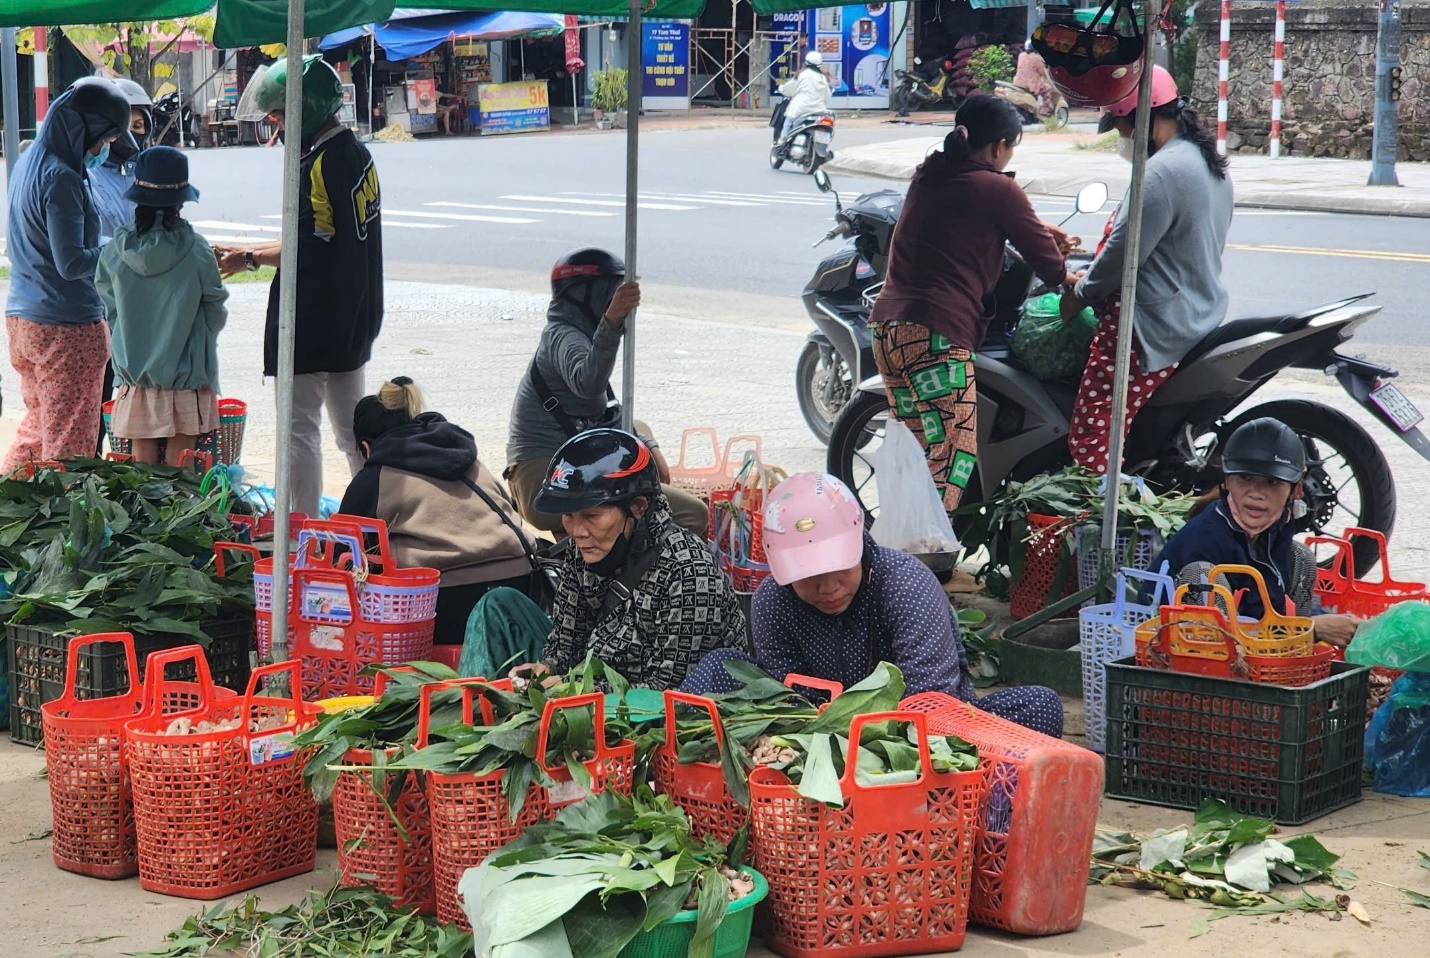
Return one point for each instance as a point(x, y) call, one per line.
point(712, 902)
point(1417, 899)
point(820, 779)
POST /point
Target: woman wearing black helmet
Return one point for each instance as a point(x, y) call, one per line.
point(641, 593)
point(58, 341)
point(567, 388)
point(1249, 523)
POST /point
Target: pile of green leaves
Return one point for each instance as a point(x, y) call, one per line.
point(509, 743)
point(389, 722)
point(763, 706)
point(343, 923)
point(980, 642)
point(585, 884)
point(1229, 861)
point(109, 546)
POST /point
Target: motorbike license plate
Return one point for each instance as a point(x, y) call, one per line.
point(823, 137)
point(1396, 405)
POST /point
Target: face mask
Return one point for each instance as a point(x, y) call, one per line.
point(615, 560)
point(1124, 147)
point(93, 161)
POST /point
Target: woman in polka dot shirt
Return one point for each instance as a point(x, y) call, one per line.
point(837, 604)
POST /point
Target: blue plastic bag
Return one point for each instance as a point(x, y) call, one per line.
point(1397, 739)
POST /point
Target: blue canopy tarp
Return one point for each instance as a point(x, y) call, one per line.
point(407, 37)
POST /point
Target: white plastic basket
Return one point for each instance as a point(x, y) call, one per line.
point(1107, 633)
point(1087, 542)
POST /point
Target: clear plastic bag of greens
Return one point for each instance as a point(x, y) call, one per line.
point(1051, 349)
point(1398, 638)
point(1397, 740)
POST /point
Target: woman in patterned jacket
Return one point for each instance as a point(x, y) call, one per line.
point(641, 593)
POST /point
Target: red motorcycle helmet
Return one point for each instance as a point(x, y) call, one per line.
point(1096, 66)
point(1164, 91)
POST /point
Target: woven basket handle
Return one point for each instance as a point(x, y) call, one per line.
point(850, 783)
point(131, 661)
point(674, 698)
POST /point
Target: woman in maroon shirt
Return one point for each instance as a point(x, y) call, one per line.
point(945, 259)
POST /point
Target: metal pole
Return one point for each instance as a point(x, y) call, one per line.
point(1387, 95)
point(1223, 70)
point(10, 76)
point(287, 307)
point(1277, 72)
point(372, 83)
point(42, 75)
point(633, 113)
point(1128, 305)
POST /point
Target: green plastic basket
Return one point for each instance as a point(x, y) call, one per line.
point(671, 938)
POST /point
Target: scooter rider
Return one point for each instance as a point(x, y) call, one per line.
point(808, 91)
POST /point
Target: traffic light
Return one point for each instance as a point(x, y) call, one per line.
point(1395, 83)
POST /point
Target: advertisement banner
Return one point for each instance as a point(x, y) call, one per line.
point(854, 41)
point(513, 107)
point(665, 66)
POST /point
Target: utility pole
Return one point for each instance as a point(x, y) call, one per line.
point(10, 77)
point(1387, 95)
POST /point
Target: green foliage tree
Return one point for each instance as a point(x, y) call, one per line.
point(1184, 45)
point(137, 55)
point(990, 64)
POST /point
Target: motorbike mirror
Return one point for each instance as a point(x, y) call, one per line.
point(1091, 198)
point(821, 180)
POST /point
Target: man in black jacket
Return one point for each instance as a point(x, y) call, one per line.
point(340, 302)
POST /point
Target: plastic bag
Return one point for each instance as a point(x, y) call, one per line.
point(1397, 740)
point(1051, 350)
point(1398, 638)
point(911, 514)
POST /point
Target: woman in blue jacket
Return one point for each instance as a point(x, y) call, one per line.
point(161, 289)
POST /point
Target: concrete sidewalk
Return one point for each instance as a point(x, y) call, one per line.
point(1060, 163)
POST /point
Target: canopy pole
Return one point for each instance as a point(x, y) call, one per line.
point(1128, 306)
point(10, 75)
point(287, 307)
point(633, 113)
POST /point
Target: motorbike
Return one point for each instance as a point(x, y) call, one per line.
point(839, 352)
point(810, 140)
point(924, 86)
point(174, 122)
point(1028, 105)
point(1175, 439)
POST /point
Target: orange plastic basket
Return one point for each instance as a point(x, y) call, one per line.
point(1341, 592)
point(470, 814)
point(1275, 633)
point(90, 793)
point(888, 874)
point(1036, 830)
point(221, 812)
point(1046, 553)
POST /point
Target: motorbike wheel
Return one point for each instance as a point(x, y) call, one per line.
point(1060, 118)
point(901, 102)
point(1349, 483)
point(776, 161)
point(857, 433)
point(823, 388)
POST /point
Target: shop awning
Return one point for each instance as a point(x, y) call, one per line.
point(416, 32)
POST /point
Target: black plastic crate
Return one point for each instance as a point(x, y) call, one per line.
point(36, 667)
point(1285, 754)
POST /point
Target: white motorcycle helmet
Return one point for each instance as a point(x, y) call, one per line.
point(813, 59)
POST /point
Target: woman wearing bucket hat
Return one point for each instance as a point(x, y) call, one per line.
point(836, 605)
point(161, 290)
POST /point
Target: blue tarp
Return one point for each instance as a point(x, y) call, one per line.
point(409, 36)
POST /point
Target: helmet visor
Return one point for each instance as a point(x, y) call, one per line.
point(262, 96)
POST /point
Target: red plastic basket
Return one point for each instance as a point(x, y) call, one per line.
point(470, 815)
point(1045, 554)
point(1341, 592)
point(221, 812)
point(887, 874)
point(1036, 829)
point(90, 794)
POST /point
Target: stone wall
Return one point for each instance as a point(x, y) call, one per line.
point(1329, 82)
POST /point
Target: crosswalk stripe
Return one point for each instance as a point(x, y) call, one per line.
point(520, 209)
point(620, 203)
point(278, 229)
point(778, 200)
point(701, 198)
point(464, 217)
point(241, 227)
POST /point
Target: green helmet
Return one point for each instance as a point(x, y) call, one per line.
point(322, 92)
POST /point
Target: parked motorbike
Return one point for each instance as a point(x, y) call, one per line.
point(810, 141)
point(1175, 440)
point(1028, 105)
point(174, 122)
point(839, 352)
point(925, 86)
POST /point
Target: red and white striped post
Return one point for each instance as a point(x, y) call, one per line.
point(1223, 69)
point(1277, 71)
point(42, 75)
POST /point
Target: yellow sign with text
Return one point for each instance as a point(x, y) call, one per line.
point(513, 107)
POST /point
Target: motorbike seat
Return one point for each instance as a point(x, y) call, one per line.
point(1241, 329)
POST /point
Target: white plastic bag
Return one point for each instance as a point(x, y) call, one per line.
point(911, 516)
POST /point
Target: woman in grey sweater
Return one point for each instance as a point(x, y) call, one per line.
point(1186, 212)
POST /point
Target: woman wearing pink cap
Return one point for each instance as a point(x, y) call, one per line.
point(837, 604)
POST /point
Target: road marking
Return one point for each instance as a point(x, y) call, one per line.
point(241, 227)
point(702, 198)
point(464, 217)
point(216, 224)
point(1259, 211)
point(568, 199)
point(1386, 255)
point(520, 209)
point(787, 200)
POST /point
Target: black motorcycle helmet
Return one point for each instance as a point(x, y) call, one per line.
point(1265, 447)
point(599, 467)
point(588, 278)
point(105, 112)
